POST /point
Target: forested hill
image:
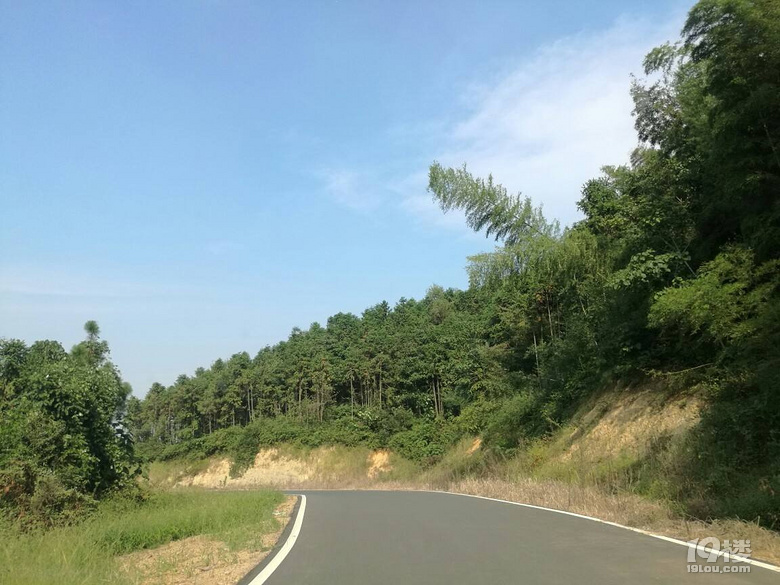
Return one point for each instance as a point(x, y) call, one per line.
point(672, 273)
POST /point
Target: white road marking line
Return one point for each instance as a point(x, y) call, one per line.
point(639, 530)
point(263, 575)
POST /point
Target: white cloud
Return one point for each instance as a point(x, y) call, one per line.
point(47, 282)
point(543, 126)
point(549, 124)
point(351, 189)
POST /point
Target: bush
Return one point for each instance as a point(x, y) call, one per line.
point(427, 441)
point(518, 419)
point(475, 417)
point(63, 442)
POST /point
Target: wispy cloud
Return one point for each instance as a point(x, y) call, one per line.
point(543, 126)
point(38, 281)
point(548, 124)
point(352, 189)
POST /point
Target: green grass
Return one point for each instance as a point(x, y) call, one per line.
point(459, 462)
point(164, 474)
point(86, 553)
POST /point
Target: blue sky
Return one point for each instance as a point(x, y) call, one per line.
point(199, 177)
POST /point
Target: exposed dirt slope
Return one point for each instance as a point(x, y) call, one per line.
point(288, 468)
point(630, 420)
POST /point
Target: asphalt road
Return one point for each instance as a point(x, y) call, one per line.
point(375, 538)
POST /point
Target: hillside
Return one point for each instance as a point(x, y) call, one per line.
point(615, 461)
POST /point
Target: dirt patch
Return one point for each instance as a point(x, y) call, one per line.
point(270, 468)
point(201, 560)
point(276, 468)
point(379, 462)
point(216, 475)
point(630, 422)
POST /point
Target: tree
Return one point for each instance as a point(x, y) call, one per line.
point(63, 439)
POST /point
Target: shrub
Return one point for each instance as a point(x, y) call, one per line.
point(426, 441)
point(518, 419)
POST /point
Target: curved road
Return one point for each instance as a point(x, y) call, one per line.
point(374, 537)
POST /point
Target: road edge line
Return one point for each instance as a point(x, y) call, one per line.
point(269, 565)
point(724, 554)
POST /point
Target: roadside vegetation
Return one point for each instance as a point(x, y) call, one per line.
point(92, 550)
point(71, 503)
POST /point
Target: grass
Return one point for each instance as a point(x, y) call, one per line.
point(163, 474)
point(464, 460)
point(87, 553)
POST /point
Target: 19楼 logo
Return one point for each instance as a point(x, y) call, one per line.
point(711, 549)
